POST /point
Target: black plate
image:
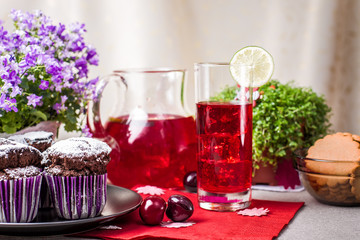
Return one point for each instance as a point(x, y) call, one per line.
point(120, 201)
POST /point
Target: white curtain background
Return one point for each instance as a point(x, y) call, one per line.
point(314, 42)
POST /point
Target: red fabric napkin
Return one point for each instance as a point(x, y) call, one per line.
point(208, 224)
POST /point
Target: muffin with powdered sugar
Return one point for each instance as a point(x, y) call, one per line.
point(76, 176)
point(40, 140)
point(20, 181)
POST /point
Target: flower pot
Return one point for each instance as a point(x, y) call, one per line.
point(284, 175)
point(47, 126)
point(265, 175)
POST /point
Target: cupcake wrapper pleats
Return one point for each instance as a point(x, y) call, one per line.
point(19, 199)
point(45, 198)
point(77, 197)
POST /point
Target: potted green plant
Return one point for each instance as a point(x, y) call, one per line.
point(43, 73)
point(285, 118)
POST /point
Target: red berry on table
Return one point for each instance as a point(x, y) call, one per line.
point(190, 181)
point(152, 210)
point(179, 208)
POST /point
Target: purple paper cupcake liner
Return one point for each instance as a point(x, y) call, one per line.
point(77, 197)
point(19, 199)
point(45, 198)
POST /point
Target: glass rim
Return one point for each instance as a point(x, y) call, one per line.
point(149, 70)
point(219, 64)
point(299, 154)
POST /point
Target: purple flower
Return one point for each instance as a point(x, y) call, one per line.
point(12, 58)
point(51, 28)
point(5, 88)
point(34, 100)
point(57, 107)
point(42, 59)
point(92, 82)
point(16, 14)
point(60, 29)
point(77, 28)
point(81, 65)
point(42, 31)
point(60, 106)
point(8, 104)
point(63, 99)
point(31, 78)
point(46, 42)
point(68, 72)
point(28, 22)
point(13, 78)
point(23, 63)
point(86, 131)
point(52, 67)
point(16, 90)
point(37, 50)
point(92, 57)
point(94, 60)
point(77, 45)
point(3, 72)
point(12, 104)
point(44, 85)
point(3, 103)
point(3, 33)
point(58, 87)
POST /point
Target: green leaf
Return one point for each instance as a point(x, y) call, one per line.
point(24, 84)
point(9, 129)
point(40, 115)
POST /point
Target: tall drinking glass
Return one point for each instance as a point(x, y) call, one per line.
point(224, 133)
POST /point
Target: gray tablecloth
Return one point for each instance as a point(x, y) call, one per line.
point(316, 220)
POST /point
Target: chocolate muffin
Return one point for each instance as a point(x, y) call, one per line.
point(20, 181)
point(77, 176)
point(40, 140)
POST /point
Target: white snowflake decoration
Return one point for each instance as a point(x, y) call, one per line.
point(110, 227)
point(150, 190)
point(254, 212)
point(176, 224)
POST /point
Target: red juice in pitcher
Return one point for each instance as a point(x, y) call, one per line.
point(158, 150)
point(224, 131)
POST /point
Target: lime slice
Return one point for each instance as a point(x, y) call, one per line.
point(260, 70)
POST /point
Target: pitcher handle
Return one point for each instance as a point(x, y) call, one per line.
point(93, 118)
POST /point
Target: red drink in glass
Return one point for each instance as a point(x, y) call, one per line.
point(157, 151)
point(224, 155)
point(224, 133)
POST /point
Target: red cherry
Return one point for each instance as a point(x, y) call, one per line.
point(190, 182)
point(152, 210)
point(179, 208)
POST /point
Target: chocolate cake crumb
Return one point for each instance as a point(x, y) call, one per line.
point(59, 170)
point(40, 140)
point(14, 154)
point(20, 172)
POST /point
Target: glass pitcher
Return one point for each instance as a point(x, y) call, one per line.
point(156, 137)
